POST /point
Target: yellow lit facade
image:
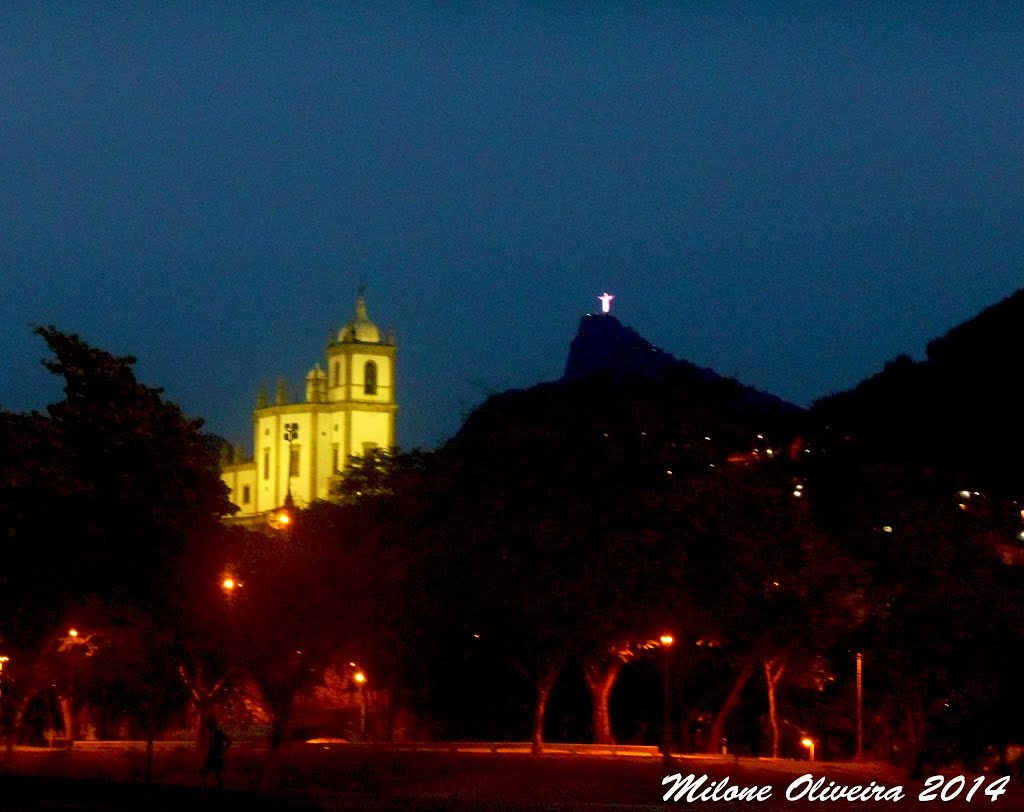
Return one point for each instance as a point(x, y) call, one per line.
point(349, 409)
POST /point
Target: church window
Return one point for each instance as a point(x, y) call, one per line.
point(337, 373)
point(334, 457)
point(266, 463)
point(370, 378)
point(245, 495)
point(293, 460)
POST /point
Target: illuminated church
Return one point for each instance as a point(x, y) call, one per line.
point(300, 448)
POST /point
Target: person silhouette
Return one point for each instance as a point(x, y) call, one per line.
point(219, 742)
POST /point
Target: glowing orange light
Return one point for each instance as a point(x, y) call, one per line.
point(228, 584)
point(359, 677)
point(72, 632)
point(667, 639)
point(809, 744)
point(283, 518)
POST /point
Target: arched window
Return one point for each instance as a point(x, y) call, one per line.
point(370, 378)
point(337, 373)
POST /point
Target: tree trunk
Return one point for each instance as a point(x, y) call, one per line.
point(774, 668)
point(544, 683)
point(202, 699)
point(67, 711)
point(601, 681)
point(204, 710)
point(717, 731)
point(539, 709)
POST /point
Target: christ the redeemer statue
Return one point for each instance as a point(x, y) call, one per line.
point(606, 302)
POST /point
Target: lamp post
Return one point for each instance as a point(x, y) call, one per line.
point(860, 706)
point(3, 659)
point(360, 679)
point(666, 641)
point(72, 644)
point(808, 742)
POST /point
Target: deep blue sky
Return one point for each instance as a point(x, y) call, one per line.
point(789, 193)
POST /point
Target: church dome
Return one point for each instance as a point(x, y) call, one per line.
point(361, 328)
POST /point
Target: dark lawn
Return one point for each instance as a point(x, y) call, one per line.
point(347, 777)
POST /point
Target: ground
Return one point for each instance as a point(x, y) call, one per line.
point(344, 777)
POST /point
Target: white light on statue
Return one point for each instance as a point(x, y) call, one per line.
point(606, 302)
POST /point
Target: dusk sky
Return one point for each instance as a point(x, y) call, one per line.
point(790, 193)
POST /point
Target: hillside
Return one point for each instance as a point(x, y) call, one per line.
point(958, 411)
point(617, 383)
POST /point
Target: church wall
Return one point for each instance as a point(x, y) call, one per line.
point(269, 435)
point(322, 428)
point(302, 483)
point(383, 362)
point(339, 423)
point(371, 427)
point(237, 478)
point(337, 375)
point(265, 452)
point(325, 443)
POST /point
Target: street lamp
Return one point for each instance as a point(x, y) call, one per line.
point(808, 742)
point(860, 707)
point(75, 646)
point(281, 518)
point(360, 680)
point(666, 641)
point(4, 659)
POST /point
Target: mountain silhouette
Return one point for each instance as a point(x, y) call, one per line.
point(617, 383)
point(957, 411)
point(604, 346)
